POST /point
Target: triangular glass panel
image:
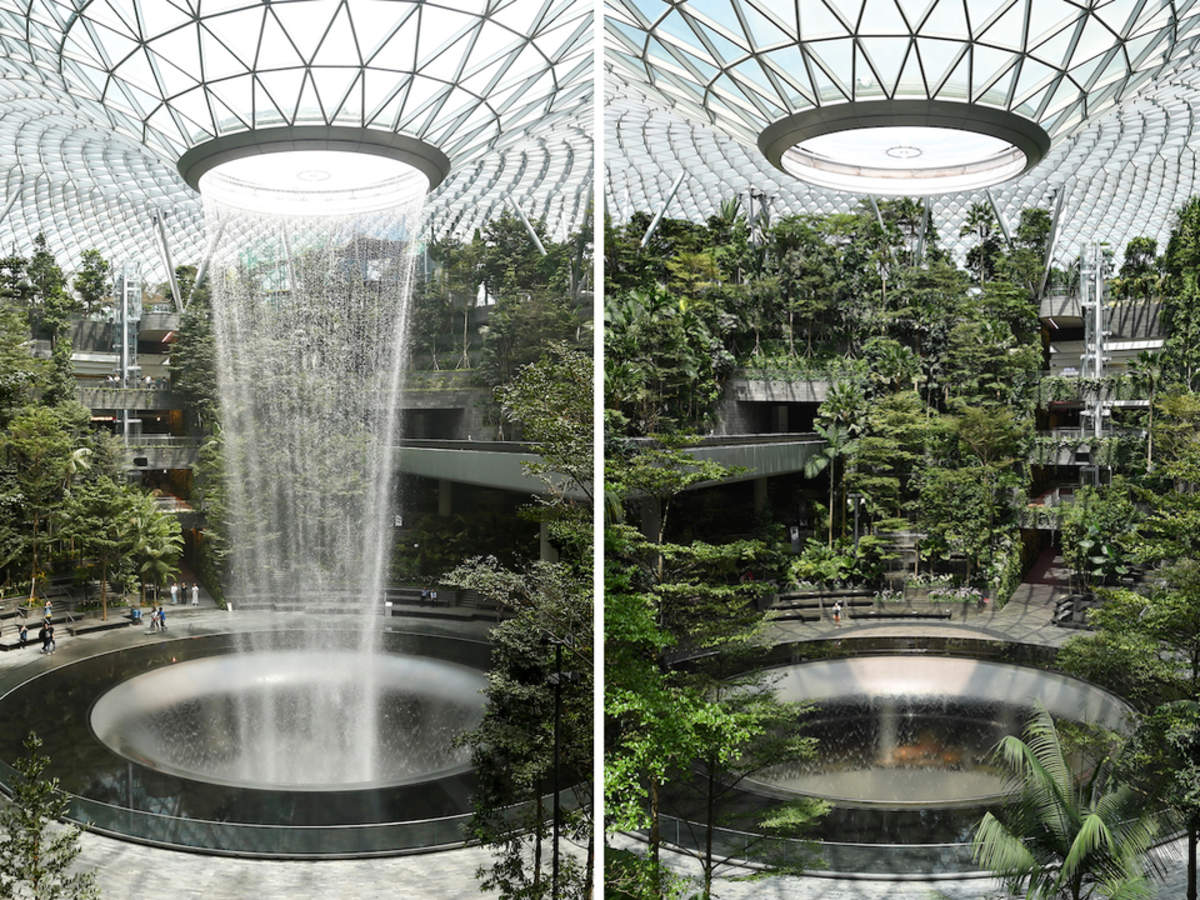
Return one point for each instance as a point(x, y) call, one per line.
point(374, 22)
point(788, 63)
point(828, 90)
point(338, 47)
point(914, 11)
point(445, 65)
point(350, 107)
point(283, 86)
point(304, 23)
point(882, 17)
point(114, 45)
point(957, 85)
point(850, 11)
point(333, 84)
point(215, 60)
point(816, 21)
point(987, 63)
point(1053, 50)
point(937, 59)
point(308, 107)
point(113, 17)
point(181, 50)
point(159, 18)
point(763, 31)
point(887, 55)
point(911, 82)
point(1033, 76)
point(276, 50)
point(1007, 31)
point(266, 113)
point(239, 32)
point(399, 51)
point(137, 72)
point(995, 93)
point(947, 19)
point(1094, 40)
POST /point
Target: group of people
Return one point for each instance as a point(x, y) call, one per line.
point(158, 619)
point(180, 591)
point(45, 634)
point(114, 380)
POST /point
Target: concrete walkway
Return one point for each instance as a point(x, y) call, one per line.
point(129, 871)
point(1025, 619)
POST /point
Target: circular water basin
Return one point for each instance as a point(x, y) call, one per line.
point(296, 719)
point(918, 731)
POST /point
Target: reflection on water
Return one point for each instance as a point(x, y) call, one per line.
point(900, 750)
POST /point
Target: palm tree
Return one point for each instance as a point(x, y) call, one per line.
point(157, 542)
point(1063, 835)
point(837, 443)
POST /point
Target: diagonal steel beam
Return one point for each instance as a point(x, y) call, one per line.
point(658, 216)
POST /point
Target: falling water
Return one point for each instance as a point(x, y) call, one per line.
point(310, 318)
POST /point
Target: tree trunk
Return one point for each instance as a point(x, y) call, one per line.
point(832, 474)
point(709, 825)
point(1191, 872)
point(537, 842)
point(104, 593)
point(33, 571)
point(655, 841)
point(465, 361)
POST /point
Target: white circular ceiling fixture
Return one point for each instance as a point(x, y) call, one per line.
point(806, 82)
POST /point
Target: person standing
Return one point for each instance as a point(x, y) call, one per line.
point(51, 643)
point(195, 593)
point(23, 636)
point(174, 592)
point(837, 613)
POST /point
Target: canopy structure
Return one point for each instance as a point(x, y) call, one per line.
point(822, 103)
point(102, 99)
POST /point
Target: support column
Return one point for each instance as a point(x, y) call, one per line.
point(760, 496)
point(445, 497)
point(781, 418)
point(546, 550)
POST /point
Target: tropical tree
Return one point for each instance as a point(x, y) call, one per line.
point(37, 855)
point(157, 541)
point(92, 281)
point(1064, 834)
point(838, 443)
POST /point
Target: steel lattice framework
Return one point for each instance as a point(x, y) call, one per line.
point(692, 84)
point(100, 98)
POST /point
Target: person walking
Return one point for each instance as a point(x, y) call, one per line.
point(153, 620)
point(43, 636)
point(162, 618)
point(23, 636)
point(174, 592)
point(195, 593)
point(53, 644)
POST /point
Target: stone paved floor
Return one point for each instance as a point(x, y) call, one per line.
point(1171, 887)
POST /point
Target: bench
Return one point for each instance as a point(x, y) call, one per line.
point(906, 614)
point(826, 603)
point(89, 627)
point(796, 617)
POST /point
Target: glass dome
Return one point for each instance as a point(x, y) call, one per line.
point(744, 66)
